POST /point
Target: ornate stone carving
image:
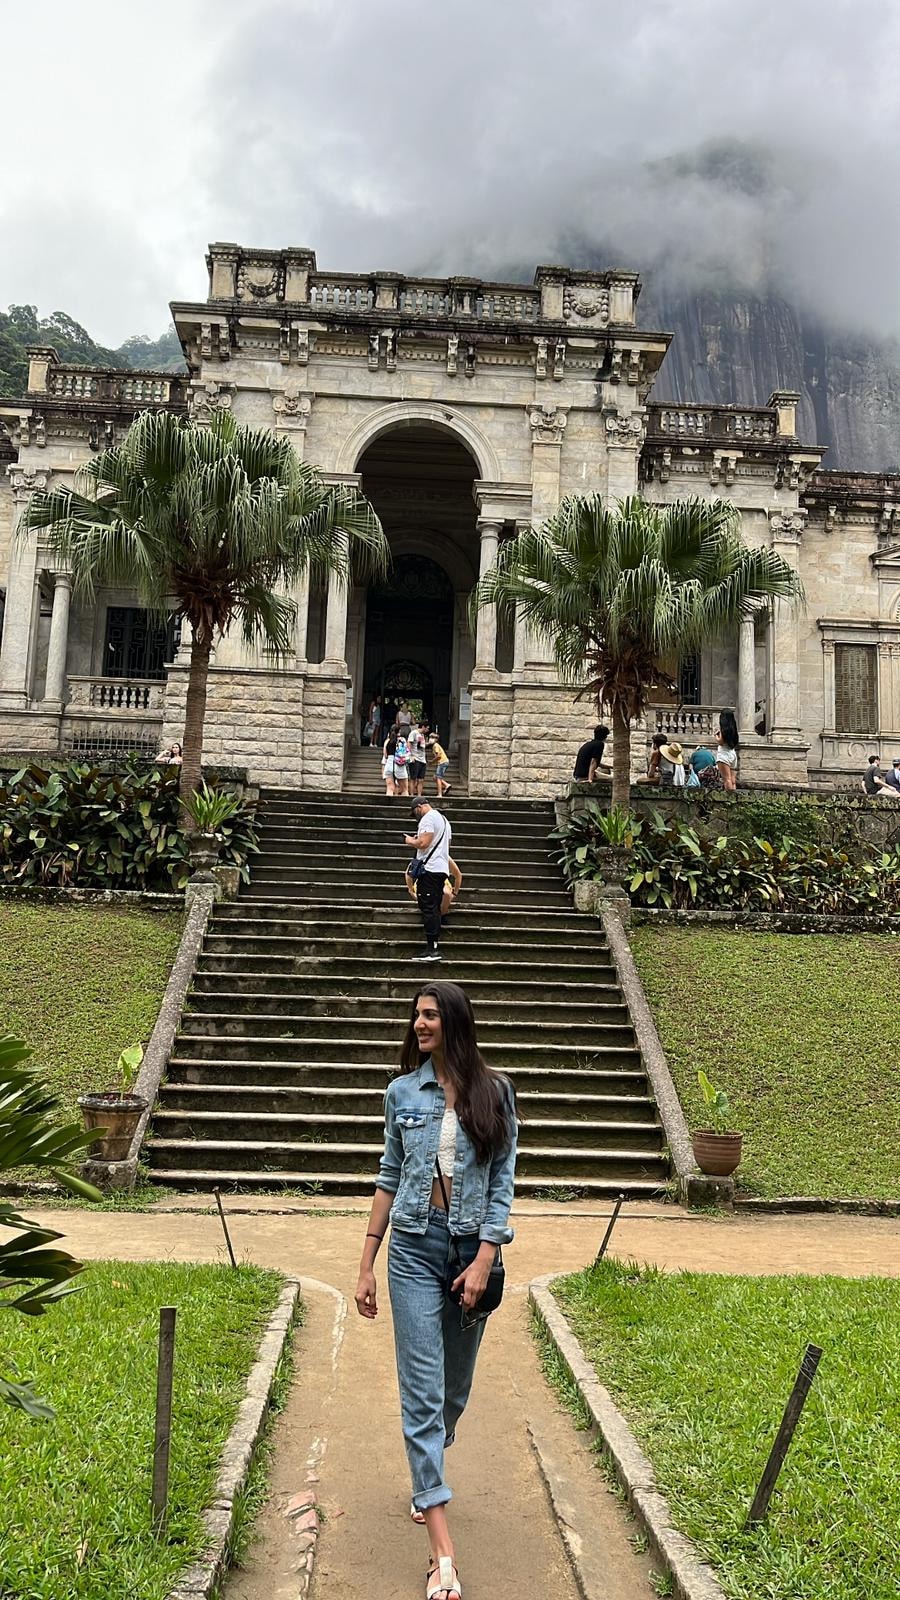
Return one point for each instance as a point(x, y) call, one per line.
point(586, 304)
point(25, 480)
point(373, 350)
point(260, 281)
point(39, 431)
point(559, 360)
point(390, 349)
point(452, 354)
point(541, 353)
point(205, 398)
point(625, 431)
point(102, 435)
point(787, 526)
point(470, 360)
point(722, 469)
point(212, 344)
point(303, 347)
point(547, 424)
point(292, 408)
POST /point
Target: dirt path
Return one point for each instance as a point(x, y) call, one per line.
point(341, 1424)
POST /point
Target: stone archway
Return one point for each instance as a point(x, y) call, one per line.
point(419, 414)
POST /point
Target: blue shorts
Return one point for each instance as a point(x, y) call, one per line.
point(441, 769)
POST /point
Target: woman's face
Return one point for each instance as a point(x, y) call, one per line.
point(428, 1025)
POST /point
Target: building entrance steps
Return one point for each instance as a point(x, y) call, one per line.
point(304, 988)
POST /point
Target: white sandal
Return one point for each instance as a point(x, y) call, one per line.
point(447, 1579)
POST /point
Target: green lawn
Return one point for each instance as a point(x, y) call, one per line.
point(74, 1493)
point(803, 1033)
point(80, 982)
point(702, 1366)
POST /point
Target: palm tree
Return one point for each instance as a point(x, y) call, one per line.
point(617, 589)
point(211, 522)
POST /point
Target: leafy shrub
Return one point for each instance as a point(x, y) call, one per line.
point(87, 827)
point(592, 829)
point(674, 866)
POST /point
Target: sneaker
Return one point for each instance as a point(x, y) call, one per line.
point(432, 955)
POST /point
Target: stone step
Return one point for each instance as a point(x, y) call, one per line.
point(406, 942)
point(310, 799)
point(383, 1008)
point(272, 917)
point(285, 1128)
point(563, 1031)
point(330, 1046)
point(188, 1068)
point(292, 854)
point(380, 874)
point(455, 968)
point(350, 1184)
point(500, 895)
point(524, 836)
point(550, 1162)
point(354, 1102)
point(230, 975)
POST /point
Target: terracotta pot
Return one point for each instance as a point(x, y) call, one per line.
point(717, 1154)
point(114, 1117)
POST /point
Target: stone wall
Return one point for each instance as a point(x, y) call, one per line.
point(285, 728)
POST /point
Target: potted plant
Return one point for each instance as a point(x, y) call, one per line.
point(619, 829)
point(113, 1115)
point(208, 809)
point(717, 1150)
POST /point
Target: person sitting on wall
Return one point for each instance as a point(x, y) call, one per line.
point(704, 764)
point(893, 777)
point(589, 757)
point(874, 782)
point(654, 760)
point(171, 756)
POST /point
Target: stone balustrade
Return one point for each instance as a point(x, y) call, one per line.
point(691, 724)
point(738, 424)
point(110, 384)
point(123, 696)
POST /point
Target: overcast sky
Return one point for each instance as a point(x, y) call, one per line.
point(756, 144)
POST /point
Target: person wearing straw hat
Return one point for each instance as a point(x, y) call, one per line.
point(671, 765)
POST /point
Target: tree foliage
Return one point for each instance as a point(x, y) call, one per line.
point(616, 589)
point(21, 326)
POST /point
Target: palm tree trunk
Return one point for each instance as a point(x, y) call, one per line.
point(194, 716)
point(621, 779)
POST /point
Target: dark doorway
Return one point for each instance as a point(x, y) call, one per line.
point(137, 643)
point(409, 640)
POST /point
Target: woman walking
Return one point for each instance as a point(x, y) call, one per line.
point(395, 765)
point(447, 1115)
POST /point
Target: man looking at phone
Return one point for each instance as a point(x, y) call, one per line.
point(431, 867)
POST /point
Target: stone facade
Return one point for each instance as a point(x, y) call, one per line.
point(464, 409)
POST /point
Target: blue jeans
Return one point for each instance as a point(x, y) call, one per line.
point(435, 1358)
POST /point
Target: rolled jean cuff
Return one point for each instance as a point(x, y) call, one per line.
point(429, 1498)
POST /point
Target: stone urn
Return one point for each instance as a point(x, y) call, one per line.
point(203, 850)
point(717, 1154)
point(612, 860)
point(113, 1117)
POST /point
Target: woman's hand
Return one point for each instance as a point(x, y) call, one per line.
point(366, 1302)
point(473, 1281)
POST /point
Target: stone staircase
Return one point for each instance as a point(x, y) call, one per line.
point(362, 774)
point(305, 985)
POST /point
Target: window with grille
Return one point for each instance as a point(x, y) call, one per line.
point(855, 688)
point(137, 643)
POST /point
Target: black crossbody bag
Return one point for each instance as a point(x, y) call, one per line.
point(417, 867)
point(463, 1250)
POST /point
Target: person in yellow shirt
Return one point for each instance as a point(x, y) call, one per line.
point(442, 762)
point(452, 886)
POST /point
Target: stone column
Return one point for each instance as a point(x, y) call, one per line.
point(783, 720)
point(746, 700)
point(58, 645)
point(336, 616)
point(486, 626)
point(548, 424)
point(301, 629)
point(20, 614)
point(624, 437)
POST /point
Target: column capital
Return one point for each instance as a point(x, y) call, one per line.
point(24, 481)
point(547, 424)
point(625, 430)
point(787, 527)
point(292, 407)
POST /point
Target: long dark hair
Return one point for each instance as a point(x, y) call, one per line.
point(729, 729)
point(392, 741)
point(482, 1095)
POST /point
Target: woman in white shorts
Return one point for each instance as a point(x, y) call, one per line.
point(727, 744)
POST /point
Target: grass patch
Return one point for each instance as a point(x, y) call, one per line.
point(75, 1493)
point(78, 983)
point(702, 1365)
point(801, 1031)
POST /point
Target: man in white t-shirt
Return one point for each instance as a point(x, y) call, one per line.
point(432, 846)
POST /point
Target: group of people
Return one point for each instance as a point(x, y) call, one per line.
point(406, 750)
point(668, 764)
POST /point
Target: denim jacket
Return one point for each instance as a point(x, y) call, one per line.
point(482, 1192)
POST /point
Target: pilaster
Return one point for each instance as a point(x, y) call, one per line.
point(20, 616)
point(786, 530)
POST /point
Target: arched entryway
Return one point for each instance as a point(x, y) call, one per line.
point(414, 623)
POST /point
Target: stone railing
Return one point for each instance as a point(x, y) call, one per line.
point(691, 724)
point(108, 384)
point(737, 424)
point(122, 696)
point(350, 292)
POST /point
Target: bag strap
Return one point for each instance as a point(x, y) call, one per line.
point(437, 1168)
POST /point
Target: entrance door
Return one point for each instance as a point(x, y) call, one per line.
point(409, 640)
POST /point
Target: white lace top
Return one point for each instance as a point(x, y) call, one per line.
point(447, 1143)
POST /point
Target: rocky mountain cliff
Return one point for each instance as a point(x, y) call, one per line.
point(732, 349)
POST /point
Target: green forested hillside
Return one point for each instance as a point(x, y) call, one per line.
point(21, 326)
